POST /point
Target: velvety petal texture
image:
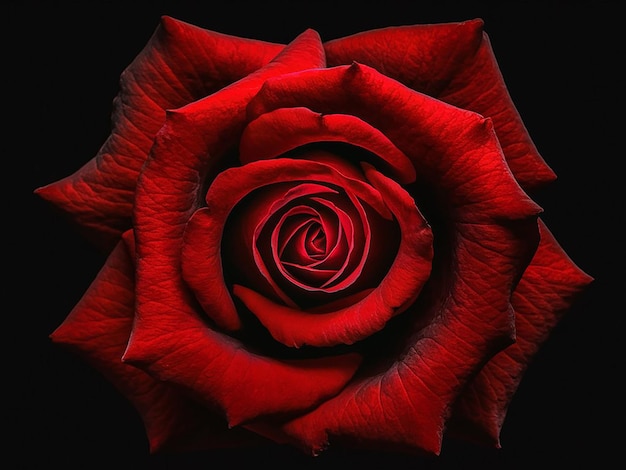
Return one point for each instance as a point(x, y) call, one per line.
point(547, 290)
point(317, 244)
point(98, 329)
point(453, 62)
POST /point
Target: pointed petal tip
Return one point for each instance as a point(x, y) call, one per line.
point(48, 192)
point(310, 41)
point(168, 20)
point(549, 175)
point(58, 336)
point(171, 25)
point(55, 194)
point(63, 337)
point(584, 278)
point(477, 23)
point(310, 33)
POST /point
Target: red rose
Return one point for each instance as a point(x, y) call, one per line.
point(317, 244)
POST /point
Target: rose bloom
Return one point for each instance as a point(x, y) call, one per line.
point(318, 243)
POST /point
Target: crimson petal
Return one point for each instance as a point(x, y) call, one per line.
point(549, 286)
point(315, 269)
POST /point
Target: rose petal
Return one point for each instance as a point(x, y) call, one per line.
point(277, 132)
point(180, 64)
point(545, 293)
point(98, 329)
point(453, 62)
point(311, 274)
point(276, 264)
point(302, 240)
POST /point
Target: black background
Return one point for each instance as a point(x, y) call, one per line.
point(562, 65)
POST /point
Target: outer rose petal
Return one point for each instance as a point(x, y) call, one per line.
point(169, 338)
point(491, 235)
point(453, 62)
point(98, 329)
point(180, 64)
point(545, 293)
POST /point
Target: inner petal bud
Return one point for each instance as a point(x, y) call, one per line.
point(317, 252)
point(315, 243)
point(284, 231)
point(308, 244)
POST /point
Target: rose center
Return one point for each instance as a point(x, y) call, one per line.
point(309, 245)
point(306, 245)
point(316, 242)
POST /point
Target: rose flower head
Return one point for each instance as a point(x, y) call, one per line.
point(316, 244)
